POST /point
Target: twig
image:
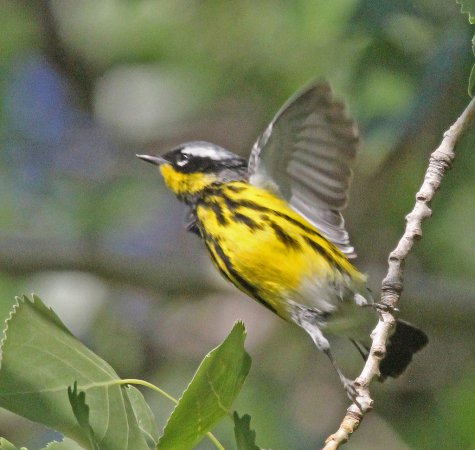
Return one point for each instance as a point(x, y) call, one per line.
point(440, 162)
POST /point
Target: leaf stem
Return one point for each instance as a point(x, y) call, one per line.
point(213, 439)
point(146, 384)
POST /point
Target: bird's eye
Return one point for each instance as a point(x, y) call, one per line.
point(182, 159)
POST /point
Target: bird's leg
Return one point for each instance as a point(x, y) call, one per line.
point(362, 350)
point(323, 345)
point(347, 383)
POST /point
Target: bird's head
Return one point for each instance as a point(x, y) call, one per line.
point(192, 167)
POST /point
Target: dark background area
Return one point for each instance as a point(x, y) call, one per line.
point(93, 231)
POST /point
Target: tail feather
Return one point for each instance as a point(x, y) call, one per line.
point(403, 343)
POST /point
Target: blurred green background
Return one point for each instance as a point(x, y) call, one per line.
point(92, 230)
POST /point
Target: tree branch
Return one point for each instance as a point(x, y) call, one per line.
point(440, 162)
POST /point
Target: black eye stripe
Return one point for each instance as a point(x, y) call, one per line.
point(182, 159)
point(206, 165)
point(188, 162)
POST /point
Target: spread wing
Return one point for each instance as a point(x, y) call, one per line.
point(306, 153)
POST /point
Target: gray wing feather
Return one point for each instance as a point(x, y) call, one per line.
point(306, 154)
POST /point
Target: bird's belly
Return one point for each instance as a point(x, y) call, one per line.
point(272, 253)
point(268, 265)
point(267, 262)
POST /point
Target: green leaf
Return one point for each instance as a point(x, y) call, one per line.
point(40, 359)
point(245, 437)
point(471, 81)
point(209, 396)
point(468, 7)
point(81, 412)
point(144, 415)
point(6, 445)
point(65, 444)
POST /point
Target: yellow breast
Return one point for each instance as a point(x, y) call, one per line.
point(264, 247)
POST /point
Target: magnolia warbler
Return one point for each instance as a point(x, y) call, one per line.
point(273, 225)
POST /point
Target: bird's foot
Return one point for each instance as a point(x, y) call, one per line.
point(350, 388)
point(382, 307)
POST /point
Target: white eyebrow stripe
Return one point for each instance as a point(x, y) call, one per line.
point(207, 152)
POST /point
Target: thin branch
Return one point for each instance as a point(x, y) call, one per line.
point(440, 162)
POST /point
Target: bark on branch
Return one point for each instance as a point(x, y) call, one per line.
point(440, 162)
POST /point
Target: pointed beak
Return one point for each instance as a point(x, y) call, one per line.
point(157, 160)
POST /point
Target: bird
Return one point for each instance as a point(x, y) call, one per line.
point(273, 224)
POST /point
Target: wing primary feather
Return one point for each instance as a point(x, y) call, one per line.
point(306, 152)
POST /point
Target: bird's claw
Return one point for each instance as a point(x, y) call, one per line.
point(382, 307)
point(351, 390)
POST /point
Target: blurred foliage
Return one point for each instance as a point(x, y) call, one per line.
point(86, 85)
point(468, 7)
